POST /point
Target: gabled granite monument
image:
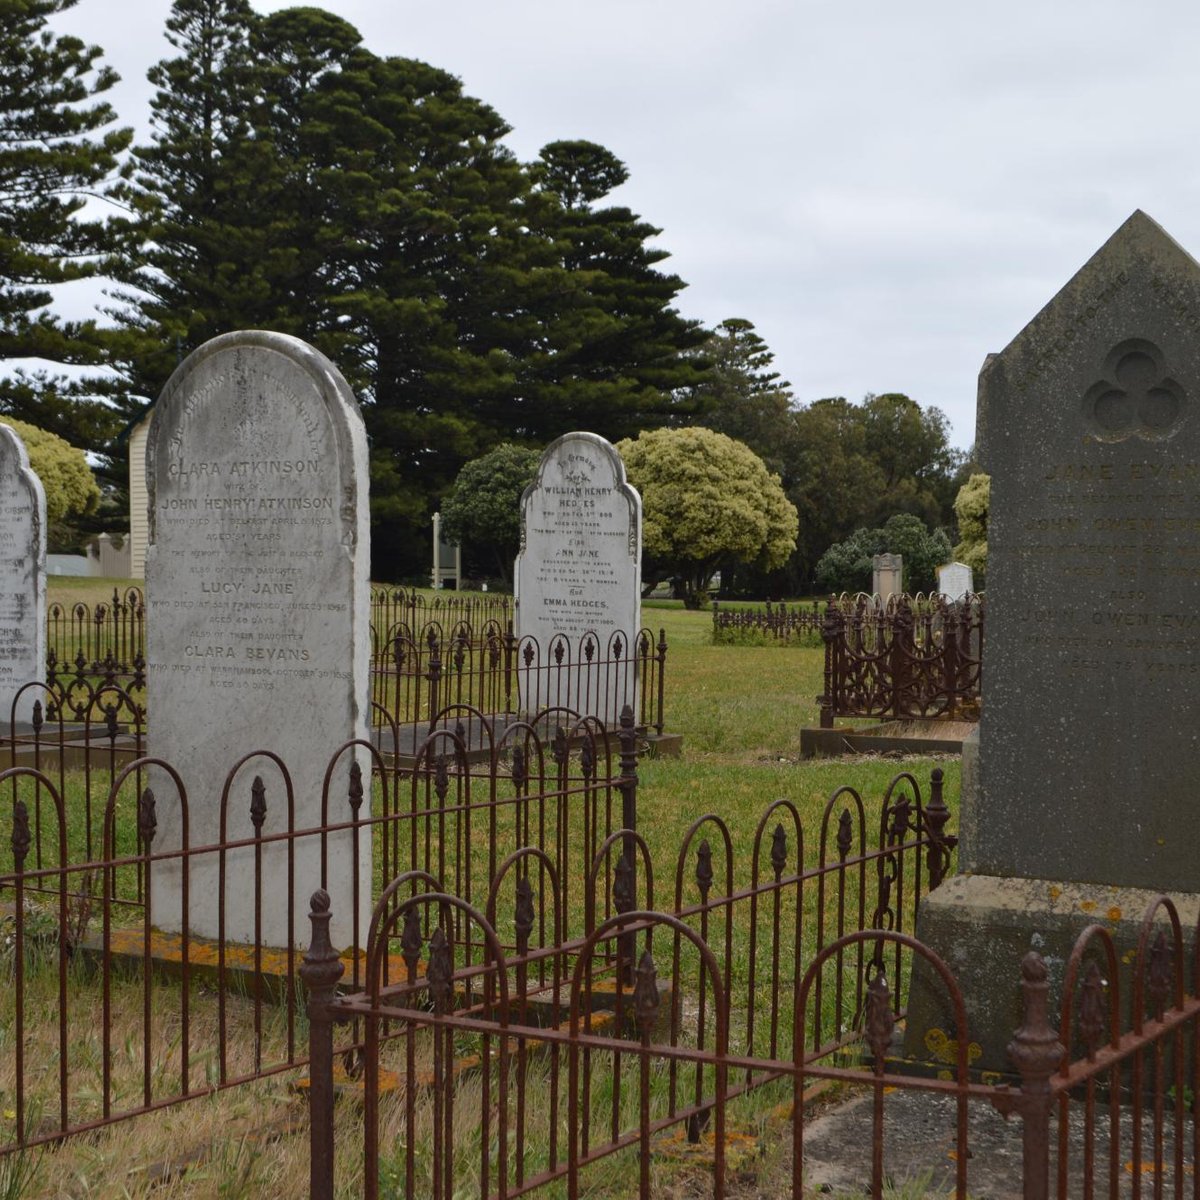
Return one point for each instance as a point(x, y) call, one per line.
point(1082, 802)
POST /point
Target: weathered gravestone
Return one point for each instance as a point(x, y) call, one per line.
point(955, 580)
point(22, 580)
point(258, 621)
point(579, 573)
point(887, 575)
point(1083, 801)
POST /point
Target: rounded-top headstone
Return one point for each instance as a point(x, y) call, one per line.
point(22, 580)
point(258, 607)
point(579, 571)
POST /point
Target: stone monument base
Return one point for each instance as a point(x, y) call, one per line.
point(915, 736)
point(983, 925)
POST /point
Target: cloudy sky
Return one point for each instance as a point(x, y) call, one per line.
point(888, 191)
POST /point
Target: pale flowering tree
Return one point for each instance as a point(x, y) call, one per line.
point(707, 502)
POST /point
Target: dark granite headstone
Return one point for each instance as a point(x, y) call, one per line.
point(1088, 747)
point(1082, 804)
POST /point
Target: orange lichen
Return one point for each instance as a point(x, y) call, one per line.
point(945, 1049)
point(166, 951)
point(1150, 1168)
point(740, 1147)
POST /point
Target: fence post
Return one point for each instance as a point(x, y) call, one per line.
point(510, 658)
point(662, 666)
point(629, 778)
point(434, 675)
point(937, 858)
point(831, 633)
point(628, 786)
point(320, 971)
point(1036, 1052)
point(950, 662)
point(899, 625)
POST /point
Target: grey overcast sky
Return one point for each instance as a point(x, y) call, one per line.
point(888, 191)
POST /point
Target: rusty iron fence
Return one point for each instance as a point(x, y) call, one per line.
point(773, 940)
point(111, 628)
point(115, 1008)
point(115, 628)
point(506, 1010)
point(510, 1064)
point(89, 646)
point(1115, 1101)
point(911, 656)
point(426, 654)
point(418, 673)
point(771, 624)
point(400, 606)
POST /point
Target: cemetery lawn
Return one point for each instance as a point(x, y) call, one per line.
point(76, 589)
point(740, 710)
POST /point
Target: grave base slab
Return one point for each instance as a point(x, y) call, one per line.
point(910, 736)
point(983, 925)
point(661, 745)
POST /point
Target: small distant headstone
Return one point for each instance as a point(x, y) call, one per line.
point(447, 559)
point(887, 574)
point(579, 571)
point(22, 579)
point(955, 580)
point(258, 619)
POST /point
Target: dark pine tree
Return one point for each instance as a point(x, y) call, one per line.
point(299, 183)
point(744, 397)
point(57, 152)
point(613, 354)
point(195, 272)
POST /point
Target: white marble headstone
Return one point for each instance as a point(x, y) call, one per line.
point(955, 580)
point(22, 579)
point(579, 571)
point(258, 619)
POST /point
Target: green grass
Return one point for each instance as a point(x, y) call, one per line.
point(740, 710)
point(73, 589)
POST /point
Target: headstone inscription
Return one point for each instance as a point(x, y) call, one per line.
point(955, 580)
point(887, 575)
point(579, 571)
point(258, 623)
point(22, 580)
point(1082, 803)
